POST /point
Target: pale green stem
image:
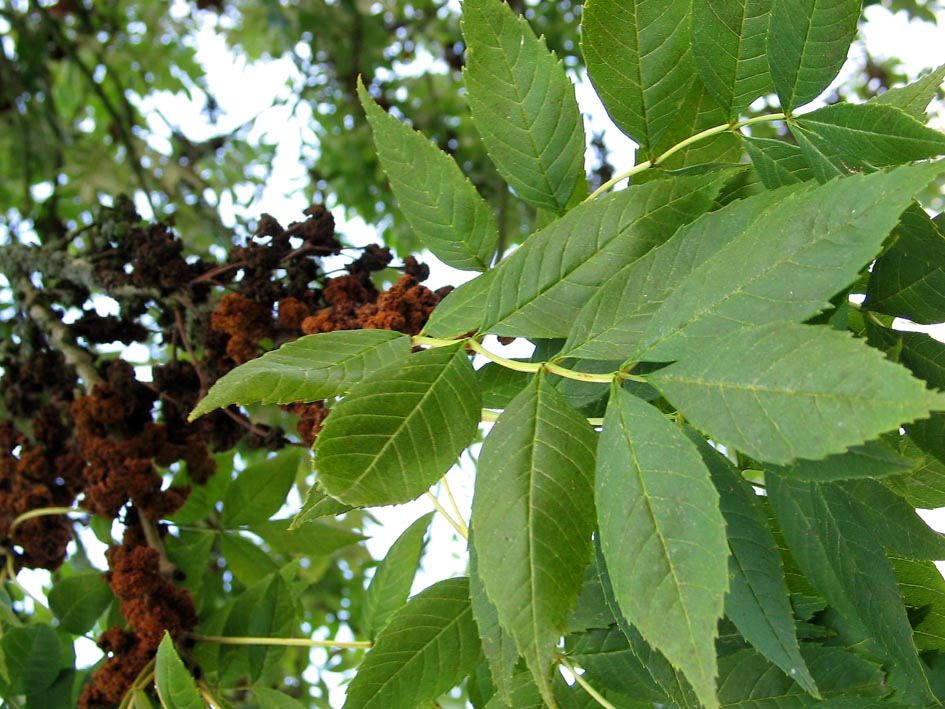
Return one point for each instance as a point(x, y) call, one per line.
point(491, 416)
point(456, 510)
point(458, 526)
point(597, 696)
point(289, 642)
point(11, 575)
point(512, 364)
point(707, 133)
point(41, 512)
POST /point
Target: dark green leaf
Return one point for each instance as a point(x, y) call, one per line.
point(825, 236)
point(260, 490)
point(909, 278)
point(610, 662)
point(638, 57)
point(533, 518)
point(757, 601)
point(500, 384)
point(400, 429)
point(839, 554)
point(873, 459)
point(914, 98)
point(923, 589)
point(924, 486)
point(820, 392)
point(463, 310)
point(662, 536)
point(540, 288)
point(393, 577)
point(175, 685)
point(855, 137)
point(189, 551)
point(440, 203)
point(777, 163)
point(807, 44)
point(426, 648)
point(728, 44)
point(78, 601)
point(310, 368)
point(747, 679)
point(523, 106)
point(245, 559)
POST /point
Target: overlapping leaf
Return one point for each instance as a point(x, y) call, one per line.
point(613, 322)
point(638, 56)
point(310, 368)
point(873, 459)
point(913, 98)
point(497, 644)
point(908, 280)
point(393, 578)
point(840, 555)
point(400, 429)
point(440, 203)
point(852, 137)
point(523, 106)
point(426, 648)
point(787, 391)
point(777, 163)
point(923, 587)
point(808, 42)
point(533, 517)
point(757, 601)
point(786, 266)
point(728, 44)
point(662, 536)
point(540, 287)
point(260, 490)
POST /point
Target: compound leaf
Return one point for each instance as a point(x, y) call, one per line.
point(400, 429)
point(523, 106)
point(533, 517)
point(310, 368)
point(662, 536)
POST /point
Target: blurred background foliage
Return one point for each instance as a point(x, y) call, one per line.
point(81, 120)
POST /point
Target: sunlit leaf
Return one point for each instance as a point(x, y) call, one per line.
point(260, 490)
point(400, 429)
point(175, 685)
point(310, 368)
point(78, 601)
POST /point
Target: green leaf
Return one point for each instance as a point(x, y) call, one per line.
point(662, 536)
point(777, 163)
point(393, 577)
point(909, 278)
point(400, 429)
point(245, 559)
point(463, 310)
point(523, 106)
point(746, 679)
point(825, 236)
point(312, 539)
point(271, 699)
point(540, 288)
point(839, 554)
point(856, 137)
point(33, 657)
point(308, 369)
point(318, 504)
point(893, 521)
point(924, 486)
point(612, 323)
point(260, 490)
point(873, 459)
point(497, 644)
point(78, 601)
point(757, 601)
point(914, 98)
point(728, 45)
point(819, 392)
point(500, 384)
point(808, 42)
point(175, 685)
point(425, 649)
point(440, 203)
point(533, 518)
point(189, 551)
point(638, 56)
point(610, 662)
point(923, 588)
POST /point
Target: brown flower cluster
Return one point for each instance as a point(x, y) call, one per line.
point(151, 604)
